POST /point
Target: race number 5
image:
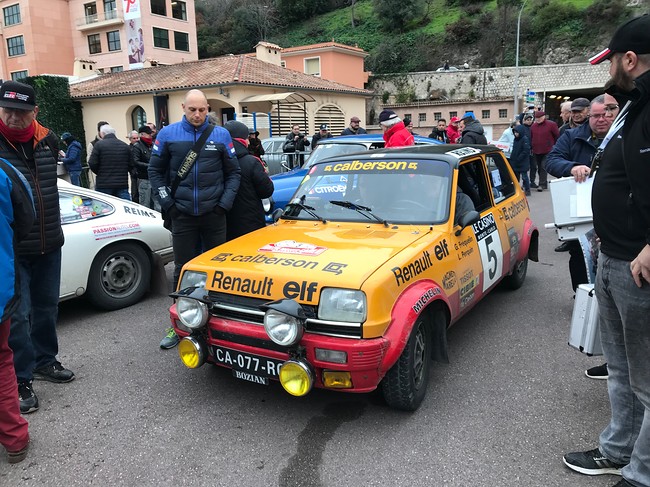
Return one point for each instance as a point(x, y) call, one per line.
point(489, 246)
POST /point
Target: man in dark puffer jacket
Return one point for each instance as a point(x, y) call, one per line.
point(111, 161)
point(247, 212)
point(31, 148)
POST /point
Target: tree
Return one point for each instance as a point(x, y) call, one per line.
point(394, 15)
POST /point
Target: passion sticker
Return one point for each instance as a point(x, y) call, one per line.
point(102, 232)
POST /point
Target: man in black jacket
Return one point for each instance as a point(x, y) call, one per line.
point(471, 130)
point(621, 207)
point(110, 161)
point(295, 143)
point(140, 155)
point(323, 133)
point(30, 147)
point(247, 212)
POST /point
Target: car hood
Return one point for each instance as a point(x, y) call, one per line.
point(289, 258)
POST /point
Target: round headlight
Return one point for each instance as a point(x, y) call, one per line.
point(281, 328)
point(296, 377)
point(192, 313)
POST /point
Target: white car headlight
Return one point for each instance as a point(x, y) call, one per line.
point(283, 329)
point(192, 313)
point(193, 279)
point(346, 305)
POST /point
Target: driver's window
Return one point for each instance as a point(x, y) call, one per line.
point(502, 184)
point(472, 180)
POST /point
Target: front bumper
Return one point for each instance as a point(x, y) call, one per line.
point(364, 356)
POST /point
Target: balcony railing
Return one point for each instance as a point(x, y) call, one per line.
point(100, 19)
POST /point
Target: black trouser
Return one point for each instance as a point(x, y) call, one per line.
point(538, 165)
point(577, 266)
point(192, 235)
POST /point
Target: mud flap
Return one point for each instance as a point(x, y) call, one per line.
point(159, 283)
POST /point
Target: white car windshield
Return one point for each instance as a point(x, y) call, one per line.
point(415, 191)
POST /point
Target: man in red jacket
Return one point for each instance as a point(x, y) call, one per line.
point(395, 133)
point(543, 134)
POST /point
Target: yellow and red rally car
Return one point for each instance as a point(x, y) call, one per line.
point(354, 286)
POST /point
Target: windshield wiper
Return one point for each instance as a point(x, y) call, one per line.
point(308, 209)
point(363, 210)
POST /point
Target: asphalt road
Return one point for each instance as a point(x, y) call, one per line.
point(513, 399)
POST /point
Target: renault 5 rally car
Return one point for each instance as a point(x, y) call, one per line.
point(354, 290)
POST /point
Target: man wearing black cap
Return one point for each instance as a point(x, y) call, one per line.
point(140, 155)
point(621, 207)
point(324, 133)
point(247, 212)
point(31, 148)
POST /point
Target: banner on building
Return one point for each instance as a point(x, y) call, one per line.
point(134, 34)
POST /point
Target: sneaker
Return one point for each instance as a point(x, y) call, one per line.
point(540, 189)
point(54, 373)
point(18, 456)
point(27, 397)
point(592, 463)
point(533, 185)
point(527, 192)
point(598, 372)
point(170, 340)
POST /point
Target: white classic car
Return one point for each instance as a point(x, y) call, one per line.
point(114, 249)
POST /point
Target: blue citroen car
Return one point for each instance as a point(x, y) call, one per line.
point(286, 183)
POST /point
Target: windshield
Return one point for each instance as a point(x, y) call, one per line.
point(372, 190)
point(324, 150)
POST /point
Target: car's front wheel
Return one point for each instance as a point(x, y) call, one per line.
point(405, 384)
point(119, 276)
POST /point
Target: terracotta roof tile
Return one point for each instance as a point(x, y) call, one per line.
point(221, 71)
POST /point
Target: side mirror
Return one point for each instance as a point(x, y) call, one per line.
point(277, 213)
point(467, 219)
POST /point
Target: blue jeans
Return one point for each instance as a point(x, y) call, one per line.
point(33, 325)
point(625, 335)
point(117, 192)
point(75, 177)
point(523, 175)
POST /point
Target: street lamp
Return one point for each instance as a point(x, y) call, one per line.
point(516, 89)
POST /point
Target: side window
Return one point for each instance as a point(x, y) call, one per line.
point(502, 185)
point(472, 181)
point(75, 208)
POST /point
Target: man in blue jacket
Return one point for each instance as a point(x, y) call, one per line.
point(197, 209)
point(16, 220)
point(72, 158)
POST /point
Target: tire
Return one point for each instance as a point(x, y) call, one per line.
point(518, 276)
point(405, 384)
point(119, 276)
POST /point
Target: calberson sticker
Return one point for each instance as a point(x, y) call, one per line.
point(489, 245)
point(293, 247)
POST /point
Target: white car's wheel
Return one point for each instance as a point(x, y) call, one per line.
point(119, 276)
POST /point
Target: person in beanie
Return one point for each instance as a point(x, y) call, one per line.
point(323, 133)
point(620, 200)
point(140, 155)
point(471, 130)
point(72, 158)
point(31, 148)
point(247, 212)
point(395, 133)
point(16, 219)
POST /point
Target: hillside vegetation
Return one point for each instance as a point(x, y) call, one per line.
point(418, 35)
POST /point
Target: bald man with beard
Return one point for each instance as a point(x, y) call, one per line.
point(197, 206)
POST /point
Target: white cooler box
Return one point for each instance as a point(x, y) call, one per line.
point(568, 225)
point(585, 330)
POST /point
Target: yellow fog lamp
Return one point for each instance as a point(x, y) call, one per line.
point(296, 377)
point(192, 352)
point(337, 379)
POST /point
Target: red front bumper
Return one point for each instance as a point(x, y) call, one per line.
point(364, 356)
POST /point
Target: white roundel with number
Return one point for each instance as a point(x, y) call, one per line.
point(489, 246)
